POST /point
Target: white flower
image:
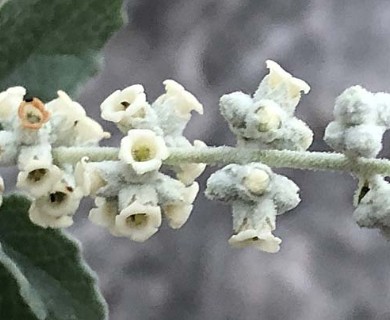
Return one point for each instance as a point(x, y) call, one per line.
point(138, 221)
point(38, 177)
point(122, 104)
point(181, 100)
point(281, 87)
point(254, 228)
point(63, 200)
point(44, 220)
point(190, 171)
point(87, 131)
point(72, 126)
point(105, 213)
point(143, 150)
point(191, 192)
point(65, 111)
point(257, 181)
point(278, 76)
point(263, 240)
point(88, 178)
point(178, 213)
point(10, 101)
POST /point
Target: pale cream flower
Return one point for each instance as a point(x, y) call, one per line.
point(66, 111)
point(177, 213)
point(190, 171)
point(143, 150)
point(138, 221)
point(254, 229)
point(33, 114)
point(278, 76)
point(124, 103)
point(263, 240)
point(180, 99)
point(88, 131)
point(10, 101)
point(44, 220)
point(63, 200)
point(257, 181)
point(191, 192)
point(38, 177)
point(88, 178)
point(105, 213)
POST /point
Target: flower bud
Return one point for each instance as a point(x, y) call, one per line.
point(256, 181)
point(267, 117)
point(138, 221)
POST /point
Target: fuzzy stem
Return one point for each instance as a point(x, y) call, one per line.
point(225, 155)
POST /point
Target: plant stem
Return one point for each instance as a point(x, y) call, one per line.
point(304, 160)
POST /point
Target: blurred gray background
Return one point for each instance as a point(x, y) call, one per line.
point(327, 268)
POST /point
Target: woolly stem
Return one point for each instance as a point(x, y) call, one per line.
point(304, 160)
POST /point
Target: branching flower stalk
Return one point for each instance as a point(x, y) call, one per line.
point(56, 149)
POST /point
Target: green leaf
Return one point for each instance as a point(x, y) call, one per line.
point(42, 274)
point(47, 45)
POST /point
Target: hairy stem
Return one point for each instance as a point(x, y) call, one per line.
point(304, 160)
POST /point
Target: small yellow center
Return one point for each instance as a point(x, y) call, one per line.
point(257, 181)
point(142, 153)
point(137, 220)
point(37, 175)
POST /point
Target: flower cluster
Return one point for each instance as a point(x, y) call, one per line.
point(264, 121)
point(267, 119)
point(131, 194)
point(144, 181)
point(361, 118)
point(30, 129)
point(257, 196)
